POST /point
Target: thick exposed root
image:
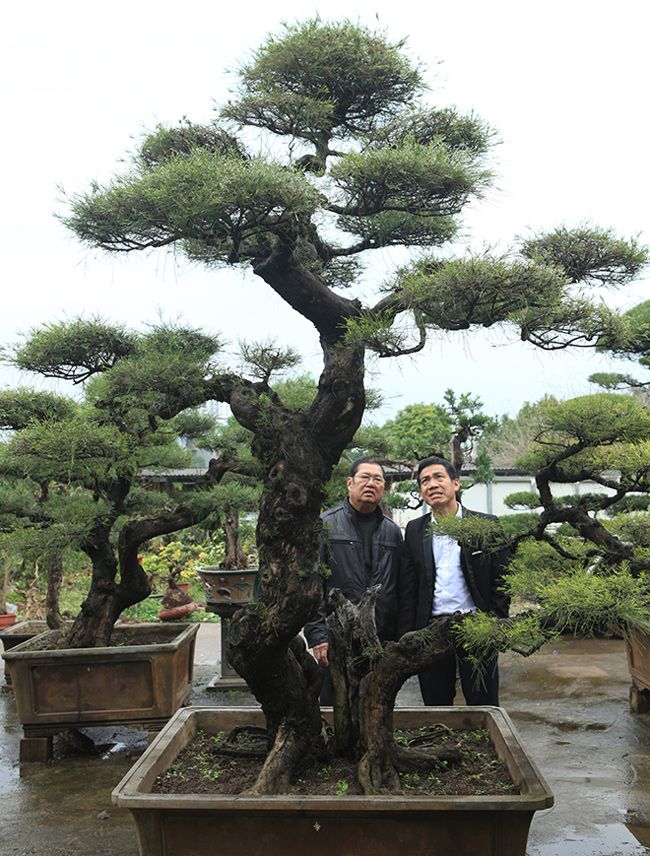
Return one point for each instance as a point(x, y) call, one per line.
point(287, 752)
point(422, 751)
point(353, 648)
point(246, 741)
point(377, 774)
point(293, 720)
point(379, 771)
point(408, 760)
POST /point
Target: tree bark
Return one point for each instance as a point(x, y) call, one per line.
point(107, 597)
point(298, 452)
point(366, 677)
point(54, 569)
point(353, 649)
point(413, 653)
point(235, 556)
point(456, 449)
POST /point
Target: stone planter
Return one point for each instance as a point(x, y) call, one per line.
point(16, 634)
point(194, 824)
point(21, 632)
point(136, 685)
point(638, 660)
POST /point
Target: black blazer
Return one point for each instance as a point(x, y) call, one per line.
point(484, 572)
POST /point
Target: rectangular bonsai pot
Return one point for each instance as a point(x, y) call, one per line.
point(24, 630)
point(135, 684)
point(19, 633)
point(638, 655)
point(196, 824)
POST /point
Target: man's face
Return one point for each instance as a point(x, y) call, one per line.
point(366, 488)
point(438, 490)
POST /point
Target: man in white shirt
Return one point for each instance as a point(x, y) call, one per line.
point(438, 576)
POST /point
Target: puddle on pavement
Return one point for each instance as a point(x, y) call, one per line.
point(593, 752)
point(612, 840)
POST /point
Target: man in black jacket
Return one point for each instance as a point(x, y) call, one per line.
point(438, 576)
point(360, 546)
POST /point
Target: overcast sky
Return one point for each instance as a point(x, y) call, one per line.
point(564, 82)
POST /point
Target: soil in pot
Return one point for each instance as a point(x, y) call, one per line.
point(56, 639)
point(210, 765)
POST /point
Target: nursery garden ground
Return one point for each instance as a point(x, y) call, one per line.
point(569, 703)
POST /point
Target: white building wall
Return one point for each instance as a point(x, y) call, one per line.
point(490, 498)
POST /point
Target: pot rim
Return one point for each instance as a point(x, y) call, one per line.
point(185, 629)
point(133, 791)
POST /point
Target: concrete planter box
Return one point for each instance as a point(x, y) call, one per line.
point(19, 633)
point(638, 660)
point(136, 685)
point(193, 825)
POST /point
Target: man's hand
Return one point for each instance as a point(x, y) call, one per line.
point(320, 652)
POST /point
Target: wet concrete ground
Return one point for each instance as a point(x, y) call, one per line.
point(569, 703)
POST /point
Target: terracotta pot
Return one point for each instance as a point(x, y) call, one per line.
point(137, 685)
point(177, 612)
point(7, 619)
point(190, 824)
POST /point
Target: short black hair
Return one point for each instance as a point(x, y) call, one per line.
point(356, 464)
point(443, 462)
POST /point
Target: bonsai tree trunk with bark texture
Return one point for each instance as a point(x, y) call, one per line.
point(54, 567)
point(235, 556)
point(299, 451)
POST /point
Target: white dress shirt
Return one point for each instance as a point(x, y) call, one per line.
point(450, 593)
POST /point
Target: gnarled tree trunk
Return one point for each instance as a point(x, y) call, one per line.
point(118, 580)
point(298, 451)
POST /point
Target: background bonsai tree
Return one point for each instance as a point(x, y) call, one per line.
point(236, 494)
point(603, 438)
point(342, 157)
point(18, 500)
point(75, 465)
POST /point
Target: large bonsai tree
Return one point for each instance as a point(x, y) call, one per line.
point(327, 153)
